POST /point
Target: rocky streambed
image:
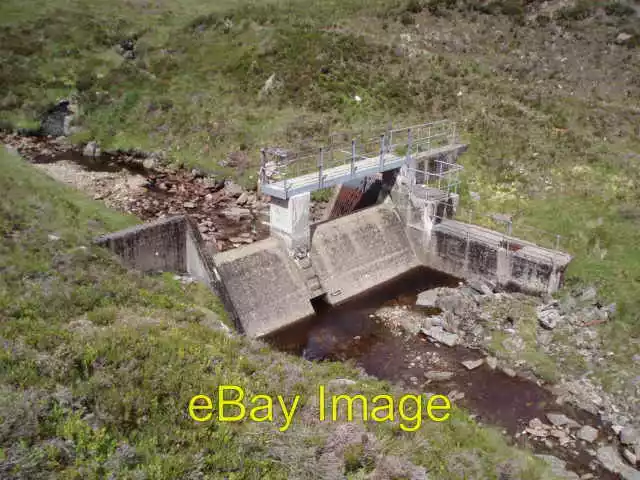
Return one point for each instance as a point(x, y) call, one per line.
point(227, 215)
point(443, 340)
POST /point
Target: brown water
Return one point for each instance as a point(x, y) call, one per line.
point(353, 333)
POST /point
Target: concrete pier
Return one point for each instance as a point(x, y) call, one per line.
point(289, 220)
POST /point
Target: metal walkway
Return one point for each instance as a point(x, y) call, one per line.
point(283, 176)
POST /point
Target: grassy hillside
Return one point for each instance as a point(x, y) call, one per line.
point(98, 365)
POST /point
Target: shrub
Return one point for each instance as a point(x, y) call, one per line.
point(581, 10)
point(619, 9)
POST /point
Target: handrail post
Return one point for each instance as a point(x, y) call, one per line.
point(381, 152)
point(320, 167)
point(263, 166)
point(353, 155)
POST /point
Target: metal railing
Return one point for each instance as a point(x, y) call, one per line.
point(412, 199)
point(402, 143)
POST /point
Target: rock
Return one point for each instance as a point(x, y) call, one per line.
point(460, 305)
point(427, 298)
point(558, 467)
point(435, 321)
point(236, 213)
point(623, 38)
point(480, 287)
point(629, 436)
point(629, 456)
point(241, 240)
point(189, 205)
point(589, 294)
point(242, 199)
point(509, 371)
point(472, 364)
point(544, 337)
point(232, 189)
point(537, 428)
point(455, 395)
point(150, 163)
point(562, 436)
point(341, 382)
point(610, 459)
point(548, 316)
point(560, 419)
point(53, 238)
point(135, 182)
point(587, 433)
point(91, 149)
point(56, 122)
point(438, 376)
point(478, 331)
point(437, 334)
point(492, 362)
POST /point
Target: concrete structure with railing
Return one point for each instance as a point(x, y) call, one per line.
point(269, 285)
point(343, 257)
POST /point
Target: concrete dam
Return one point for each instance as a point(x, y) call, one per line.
point(270, 285)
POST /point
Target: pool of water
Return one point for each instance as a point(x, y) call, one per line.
point(352, 332)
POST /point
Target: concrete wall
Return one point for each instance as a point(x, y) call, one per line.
point(264, 287)
point(475, 253)
point(151, 247)
point(171, 244)
point(352, 254)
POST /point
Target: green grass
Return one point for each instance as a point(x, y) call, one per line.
point(99, 363)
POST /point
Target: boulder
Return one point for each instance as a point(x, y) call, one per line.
point(558, 467)
point(548, 316)
point(623, 38)
point(56, 122)
point(427, 299)
point(232, 189)
point(236, 213)
point(438, 376)
point(560, 419)
point(611, 460)
point(438, 334)
point(587, 433)
point(630, 436)
point(242, 199)
point(91, 149)
point(629, 456)
point(472, 364)
point(481, 287)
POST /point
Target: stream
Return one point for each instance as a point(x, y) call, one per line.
point(352, 332)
